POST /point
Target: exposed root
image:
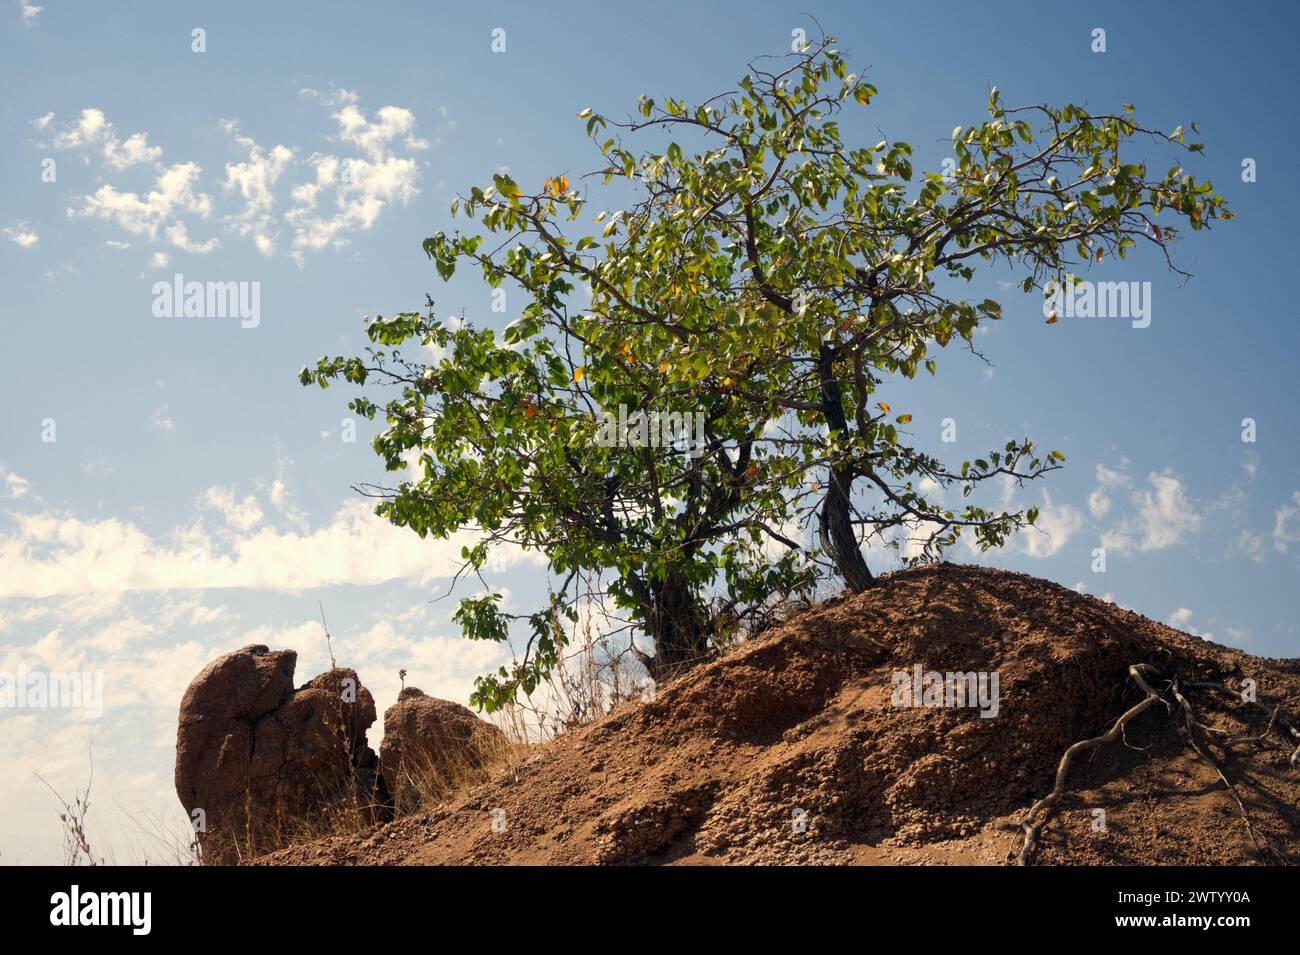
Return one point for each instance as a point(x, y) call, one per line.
point(1039, 811)
point(1192, 724)
point(1292, 730)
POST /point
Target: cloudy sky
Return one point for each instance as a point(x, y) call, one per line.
point(168, 492)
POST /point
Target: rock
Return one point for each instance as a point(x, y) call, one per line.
point(265, 762)
point(433, 748)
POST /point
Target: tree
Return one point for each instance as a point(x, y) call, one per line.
point(769, 278)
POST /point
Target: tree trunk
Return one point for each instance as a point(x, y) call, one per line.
point(678, 626)
point(837, 537)
point(835, 524)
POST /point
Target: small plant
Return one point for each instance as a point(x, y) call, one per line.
point(76, 839)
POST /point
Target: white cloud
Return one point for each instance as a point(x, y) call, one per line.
point(362, 190)
point(931, 489)
point(1164, 516)
point(1007, 491)
point(1108, 480)
point(1233, 507)
point(92, 132)
point(305, 195)
point(162, 419)
point(148, 649)
point(49, 554)
point(1286, 524)
point(1056, 524)
point(374, 137)
point(134, 150)
point(362, 187)
point(131, 743)
point(179, 235)
point(442, 665)
point(342, 196)
point(1250, 544)
point(13, 486)
point(173, 195)
point(22, 235)
point(255, 180)
point(241, 515)
point(1181, 619)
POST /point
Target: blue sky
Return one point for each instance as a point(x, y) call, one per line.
point(195, 498)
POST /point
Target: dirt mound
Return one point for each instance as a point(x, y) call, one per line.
point(431, 745)
point(826, 740)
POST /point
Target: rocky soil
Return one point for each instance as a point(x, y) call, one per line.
point(797, 748)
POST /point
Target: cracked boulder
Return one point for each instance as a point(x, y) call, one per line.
point(260, 763)
point(433, 748)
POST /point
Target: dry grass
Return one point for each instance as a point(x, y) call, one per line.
point(594, 676)
point(427, 781)
point(76, 839)
point(161, 843)
point(345, 809)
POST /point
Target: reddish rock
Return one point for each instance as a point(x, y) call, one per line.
point(434, 747)
point(263, 761)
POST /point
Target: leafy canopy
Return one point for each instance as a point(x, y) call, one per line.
point(763, 273)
